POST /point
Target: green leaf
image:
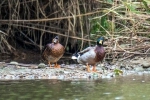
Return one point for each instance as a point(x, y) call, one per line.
point(145, 3)
point(131, 6)
point(118, 72)
point(109, 1)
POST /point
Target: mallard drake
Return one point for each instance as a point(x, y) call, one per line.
point(53, 52)
point(91, 55)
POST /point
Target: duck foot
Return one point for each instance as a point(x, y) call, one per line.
point(88, 68)
point(50, 65)
point(94, 69)
point(57, 66)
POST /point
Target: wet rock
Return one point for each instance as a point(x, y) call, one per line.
point(34, 67)
point(62, 65)
point(14, 63)
point(114, 67)
point(139, 68)
point(105, 76)
point(148, 69)
point(146, 64)
point(61, 77)
point(61, 72)
point(111, 75)
point(81, 66)
point(66, 66)
point(2, 64)
point(41, 65)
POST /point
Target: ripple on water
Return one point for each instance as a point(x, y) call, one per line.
point(119, 98)
point(107, 93)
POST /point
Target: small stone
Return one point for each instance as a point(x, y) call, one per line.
point(148, 69)
point(110, 74)
point(61, 72)
point(89, 77)
point(137, 69)
point(41, 65)
point(33, 67)
point(14, 63)
point(53, 77)
point(84, 76)
point(2, 64)
point(66, 72)
point(62, 65)
point(146, 64)
point(103, 76)
point(61, 77)
point(18, 67)
point(95, 75)
point(140, 73)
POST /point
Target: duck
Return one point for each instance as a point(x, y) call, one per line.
point(53, 52)
point(91, 55)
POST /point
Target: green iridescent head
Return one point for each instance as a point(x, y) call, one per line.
point(100, 41)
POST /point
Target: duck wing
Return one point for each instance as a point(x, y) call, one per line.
point(47, 51)
point(86, 50)
point(87, 56)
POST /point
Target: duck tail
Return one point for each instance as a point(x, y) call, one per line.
point(75, 56)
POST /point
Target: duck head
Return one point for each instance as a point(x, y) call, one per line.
point(100, 41)
point(56, 40)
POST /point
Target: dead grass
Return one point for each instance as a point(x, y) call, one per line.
point(34, 22)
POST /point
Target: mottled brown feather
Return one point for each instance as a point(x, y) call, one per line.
point(53, 50)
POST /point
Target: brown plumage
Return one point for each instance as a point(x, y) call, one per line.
point(91, 55)
point(53, 52)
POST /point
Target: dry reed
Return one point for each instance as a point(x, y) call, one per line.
point(37, 21)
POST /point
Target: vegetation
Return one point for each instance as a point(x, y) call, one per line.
point(30, 24)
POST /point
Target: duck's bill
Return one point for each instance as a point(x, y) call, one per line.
point(73, 57)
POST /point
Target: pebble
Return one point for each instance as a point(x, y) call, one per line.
point(14, 63)
point(41, 65)
point(137, 69)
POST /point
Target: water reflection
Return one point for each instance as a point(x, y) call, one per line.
point(121, 88)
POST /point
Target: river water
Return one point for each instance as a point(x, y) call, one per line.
point(131, 87)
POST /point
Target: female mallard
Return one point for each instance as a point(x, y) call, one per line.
point(53, 52)
point(91, 55)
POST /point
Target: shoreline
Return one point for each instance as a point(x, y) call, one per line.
point(18, 71)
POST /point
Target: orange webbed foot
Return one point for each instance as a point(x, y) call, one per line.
point(88, 68)
point(57, 66)
point(50, 65)
point(94, 69)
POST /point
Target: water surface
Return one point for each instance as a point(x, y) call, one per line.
point(120, 88)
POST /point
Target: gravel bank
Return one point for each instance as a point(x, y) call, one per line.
point(16, 71)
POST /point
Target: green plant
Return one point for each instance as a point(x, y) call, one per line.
point(118, 72)
point(100, 26)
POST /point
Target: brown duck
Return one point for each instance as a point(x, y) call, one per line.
point(91, 55)
point(53, 52)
